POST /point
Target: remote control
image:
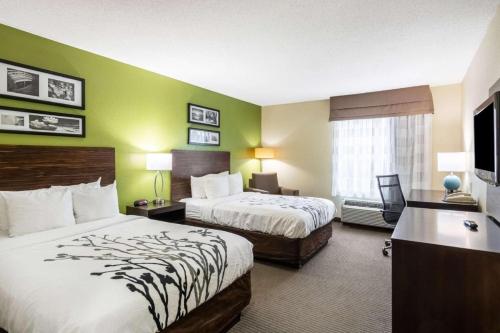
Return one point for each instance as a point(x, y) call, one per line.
point(470, 224)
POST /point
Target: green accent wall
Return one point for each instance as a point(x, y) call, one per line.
point(131, 109)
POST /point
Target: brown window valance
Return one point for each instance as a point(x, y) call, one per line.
point(387, 103)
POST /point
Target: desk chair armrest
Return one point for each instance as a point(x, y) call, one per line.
point(256, 190)
point(289, 191)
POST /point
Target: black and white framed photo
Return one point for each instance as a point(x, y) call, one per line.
point(203, 137)
point(23, 82)
point(198, 114)
point(24, 121)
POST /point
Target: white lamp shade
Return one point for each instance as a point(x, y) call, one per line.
point(451, 162)
point(158, 161)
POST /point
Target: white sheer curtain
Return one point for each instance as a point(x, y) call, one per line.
point(365, 148)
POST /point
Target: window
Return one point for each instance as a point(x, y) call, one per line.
point(365, 148)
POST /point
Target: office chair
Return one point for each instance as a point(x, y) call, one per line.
point(393, 201)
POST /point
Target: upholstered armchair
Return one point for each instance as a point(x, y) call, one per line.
point(267, 182)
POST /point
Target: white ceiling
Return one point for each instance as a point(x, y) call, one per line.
point(272, 51)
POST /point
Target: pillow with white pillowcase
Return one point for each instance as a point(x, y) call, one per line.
point(217, 186)
point(235, 183)
point(95, 203)
point(34, 211)
point(82, 186)
point(198, 184)
point(4, 222)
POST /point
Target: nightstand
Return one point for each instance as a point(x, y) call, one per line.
point(170, 211)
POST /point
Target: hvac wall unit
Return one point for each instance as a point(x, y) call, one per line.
point(364, 212)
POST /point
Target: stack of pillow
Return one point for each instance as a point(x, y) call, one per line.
point(219, 185)
point(25, 212)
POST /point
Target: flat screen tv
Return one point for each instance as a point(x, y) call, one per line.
point(486, 140)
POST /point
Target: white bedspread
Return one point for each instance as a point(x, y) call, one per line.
point(126, 274)
point(289, 216)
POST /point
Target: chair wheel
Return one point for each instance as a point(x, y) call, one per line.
point(385, 252)
point(387, 243)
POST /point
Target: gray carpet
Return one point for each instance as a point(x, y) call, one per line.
point(344, 288)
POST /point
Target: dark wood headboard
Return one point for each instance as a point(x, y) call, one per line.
point(34, 167)
point(187, 163)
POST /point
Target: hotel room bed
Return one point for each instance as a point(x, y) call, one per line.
point(287, 216)
point(283, 229)
point(124, 274)
point(120, 274)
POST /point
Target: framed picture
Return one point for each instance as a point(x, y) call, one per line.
point(198, 114)
point(203, 137)
point(24, 121)
point(23, 82)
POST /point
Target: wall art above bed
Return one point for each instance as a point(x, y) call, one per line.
point(23, 82)
point(203, 137)
point(198, 114)
point(24, 121)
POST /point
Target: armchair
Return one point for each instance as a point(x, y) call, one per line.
point(267, 183)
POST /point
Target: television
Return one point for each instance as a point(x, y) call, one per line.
point(486, 140)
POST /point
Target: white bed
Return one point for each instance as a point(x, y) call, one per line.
point(288, 216)
point(57, 280)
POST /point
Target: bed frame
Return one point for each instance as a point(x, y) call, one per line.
point(34, 167)
point(290, 251)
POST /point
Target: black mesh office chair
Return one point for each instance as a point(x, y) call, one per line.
point(393, 200)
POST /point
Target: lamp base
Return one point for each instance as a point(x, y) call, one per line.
point(451, 183)
point(159, 201)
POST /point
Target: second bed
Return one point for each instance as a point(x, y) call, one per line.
point(283, 229)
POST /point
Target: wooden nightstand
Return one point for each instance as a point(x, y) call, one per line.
point(170, 211)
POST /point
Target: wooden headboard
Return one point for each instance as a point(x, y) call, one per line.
point(34, 167)
point(187, 163)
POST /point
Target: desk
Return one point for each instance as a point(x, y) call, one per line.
point(445, 278)
point(434, 199)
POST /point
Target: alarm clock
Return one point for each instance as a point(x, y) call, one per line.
point(141, 202)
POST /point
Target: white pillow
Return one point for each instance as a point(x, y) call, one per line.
point(198, 185)
point(217, 186)
point(34, 211)
point(235, 183)
point(4, 221)
point(82, 186)
point(95, 203)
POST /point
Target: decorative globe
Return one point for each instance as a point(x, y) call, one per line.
point(452, 182)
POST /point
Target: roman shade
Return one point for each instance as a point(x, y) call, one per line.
point(387, 103)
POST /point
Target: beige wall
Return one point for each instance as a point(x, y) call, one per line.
point(301, 132)
point(302, 135)
point(483, 72)
point(446, 126)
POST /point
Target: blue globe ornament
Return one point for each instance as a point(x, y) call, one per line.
point(452, 182)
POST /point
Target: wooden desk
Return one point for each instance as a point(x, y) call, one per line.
point(434, 199)
point(445, 278)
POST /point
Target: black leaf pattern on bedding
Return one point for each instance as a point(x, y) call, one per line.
point(314, 207)
point(148, 264)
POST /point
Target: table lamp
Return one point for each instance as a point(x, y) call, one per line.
point(451, 162)
point(264, 153)
point(159, 162)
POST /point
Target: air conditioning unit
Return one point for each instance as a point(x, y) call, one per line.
point(364, 212)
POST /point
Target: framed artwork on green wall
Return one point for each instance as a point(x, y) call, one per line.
point(24, 121)
point(202, 115)
point(202, 137)
point(28, 83)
